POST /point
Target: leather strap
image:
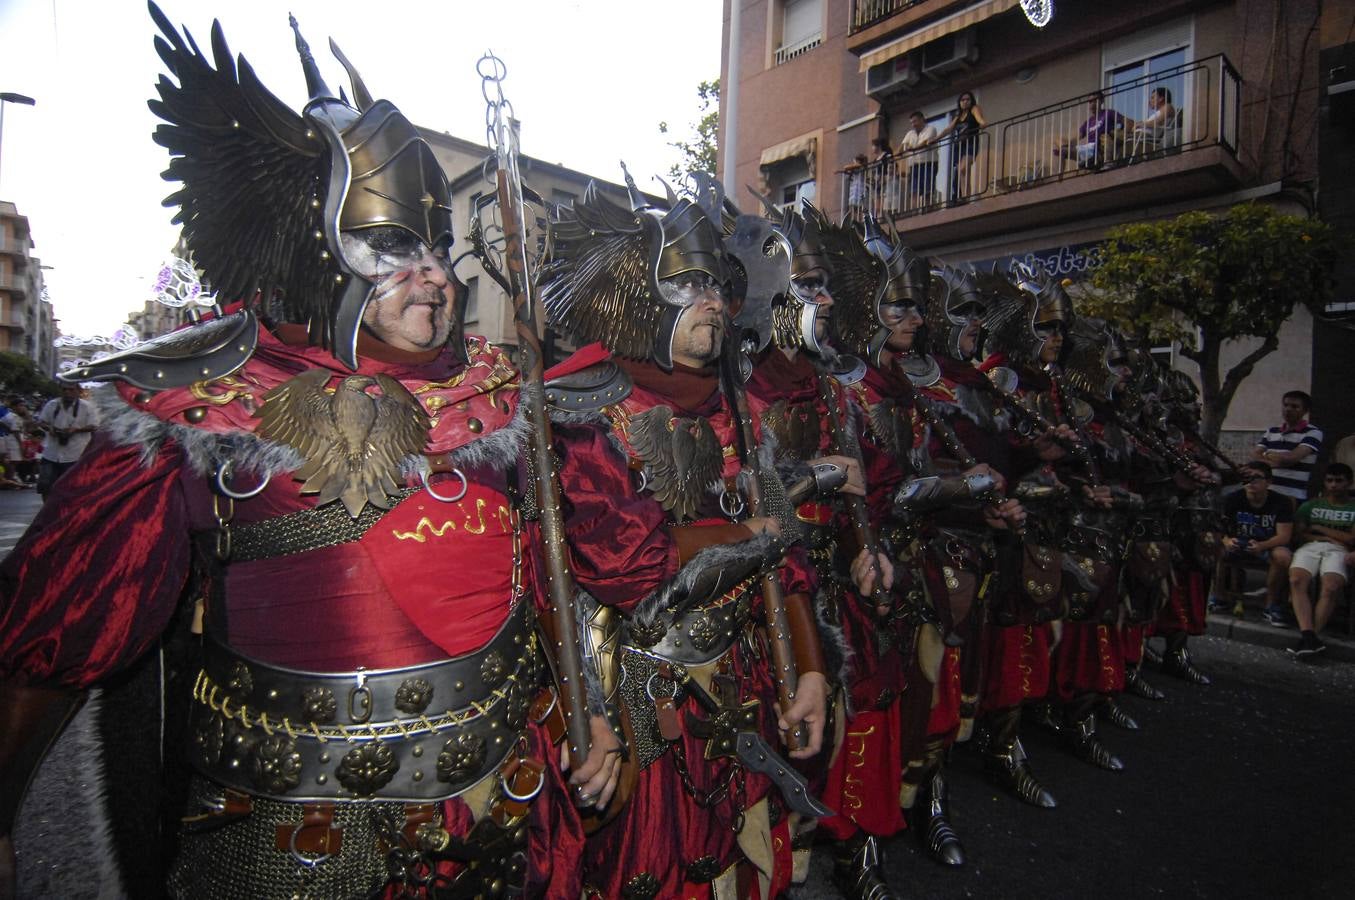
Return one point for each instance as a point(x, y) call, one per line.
point(315, 836)
point(691, 539)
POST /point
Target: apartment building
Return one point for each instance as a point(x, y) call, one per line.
point(818, 81)
point(27, 326)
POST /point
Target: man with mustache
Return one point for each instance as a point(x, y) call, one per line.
point(687, 662)
point(314, 503)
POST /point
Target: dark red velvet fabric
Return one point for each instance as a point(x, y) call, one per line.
point(1087, 660)
point(863, 784)
point(1018, 665)
point(1185, 609)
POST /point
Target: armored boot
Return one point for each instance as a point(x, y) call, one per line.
point(1004, 759)
point(1047, 717)
point(1114, 713)
point(1177, 662)
point(1082, 738)
point(1135, 684)
point(1151, 655)
point(932, 821)
point(858, 869)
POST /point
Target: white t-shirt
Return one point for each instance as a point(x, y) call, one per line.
point(56, 415)
point(914, 139)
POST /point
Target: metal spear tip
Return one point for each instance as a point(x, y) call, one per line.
point(18, 98)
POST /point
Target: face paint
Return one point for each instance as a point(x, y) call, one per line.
point(411, 303)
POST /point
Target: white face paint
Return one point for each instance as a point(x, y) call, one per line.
point(411, 303)
point(700, 329)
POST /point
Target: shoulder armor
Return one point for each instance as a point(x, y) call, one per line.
point(1004, 378)
point(922, 371)
point(590, 389)
point(848, 370)
point(210, 349)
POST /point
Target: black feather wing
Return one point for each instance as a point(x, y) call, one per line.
point(251, 172)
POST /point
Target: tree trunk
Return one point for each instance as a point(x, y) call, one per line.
point(1217, 396)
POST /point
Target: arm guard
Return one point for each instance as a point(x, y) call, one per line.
point(919, 495)
point(824, 479)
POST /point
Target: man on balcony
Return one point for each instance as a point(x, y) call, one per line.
point(1098, 137)
point(919, 158)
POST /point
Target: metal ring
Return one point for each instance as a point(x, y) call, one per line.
point(644, 481)
point(649, 688)
point(427, 486)
point(731, 508)
point(224, 473)
point(520, 798)
point(309, 862)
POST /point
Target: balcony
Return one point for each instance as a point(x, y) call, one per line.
point(14, 283)
point(17, 250)
point(1065, 160)
point(790, 51)
point(866, 13)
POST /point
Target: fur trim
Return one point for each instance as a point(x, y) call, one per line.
point(204, 450)
point(62, 839)
point(837, 651)
point(765, 548)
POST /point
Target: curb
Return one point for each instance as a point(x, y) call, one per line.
point(1226, 626)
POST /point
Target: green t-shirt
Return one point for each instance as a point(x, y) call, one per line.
point(1320, 511)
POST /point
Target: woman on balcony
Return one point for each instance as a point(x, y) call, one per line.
point(964, 127)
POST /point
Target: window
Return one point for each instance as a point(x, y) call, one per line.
point(472, 300)
point(562, 198)
point(801, 28)
point(1132, 63)
point(803, 190)
point(790, 180)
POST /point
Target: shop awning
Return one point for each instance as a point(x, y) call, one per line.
point(971, 15)
point(800, 146)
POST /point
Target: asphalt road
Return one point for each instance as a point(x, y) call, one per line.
point(1241, 789)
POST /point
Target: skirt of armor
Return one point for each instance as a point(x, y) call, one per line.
point(240, 860)
point(680, 829)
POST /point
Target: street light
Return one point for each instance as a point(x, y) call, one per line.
point(7, 97)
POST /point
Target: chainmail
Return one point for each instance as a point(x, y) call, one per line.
point(775, 504)
point(240, 860)
point(306, 529)
point(636, 672)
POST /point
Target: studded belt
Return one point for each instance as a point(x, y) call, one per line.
point(1081, 540)
point(698, 635)
point(415, 734)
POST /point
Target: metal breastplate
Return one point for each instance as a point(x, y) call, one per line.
point(415, 734)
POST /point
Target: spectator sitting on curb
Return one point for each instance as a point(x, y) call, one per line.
point(1260, 526)
point(1292, 447)
point(1326, 531)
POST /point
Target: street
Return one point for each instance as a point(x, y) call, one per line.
point(1241, 789)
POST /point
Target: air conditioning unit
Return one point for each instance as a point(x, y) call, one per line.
point(949, 53)
point(900, 72)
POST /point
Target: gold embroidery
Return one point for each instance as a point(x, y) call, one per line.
point(424, 523)
point(856, 759)
point(480, 516)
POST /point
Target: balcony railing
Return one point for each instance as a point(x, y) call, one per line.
point(790, 51)
point(1068, 139)
point(866, 13)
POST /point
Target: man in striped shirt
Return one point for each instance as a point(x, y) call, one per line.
point(1291, 449)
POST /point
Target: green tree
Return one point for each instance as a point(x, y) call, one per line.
point(19, 374)
point(699, 153)
point(1201, 280)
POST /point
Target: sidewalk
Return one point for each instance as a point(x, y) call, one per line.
point(1340, 645)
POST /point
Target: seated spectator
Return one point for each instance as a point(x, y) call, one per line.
point(1159, 128)
point(1097, 138)
point(1260, 525)
point(1326, 533)
point(1292, 447)
point(921, 163)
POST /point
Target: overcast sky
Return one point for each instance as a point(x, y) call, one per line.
point(590, 82)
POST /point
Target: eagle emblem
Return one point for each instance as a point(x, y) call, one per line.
point(353, 442)
point(796, 427)
point(682, 458)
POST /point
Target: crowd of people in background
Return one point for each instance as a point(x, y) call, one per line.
point(36, 448)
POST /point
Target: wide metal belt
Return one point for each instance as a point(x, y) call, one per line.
point(1081, 540)
point(698, 635)
point(416, 734)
